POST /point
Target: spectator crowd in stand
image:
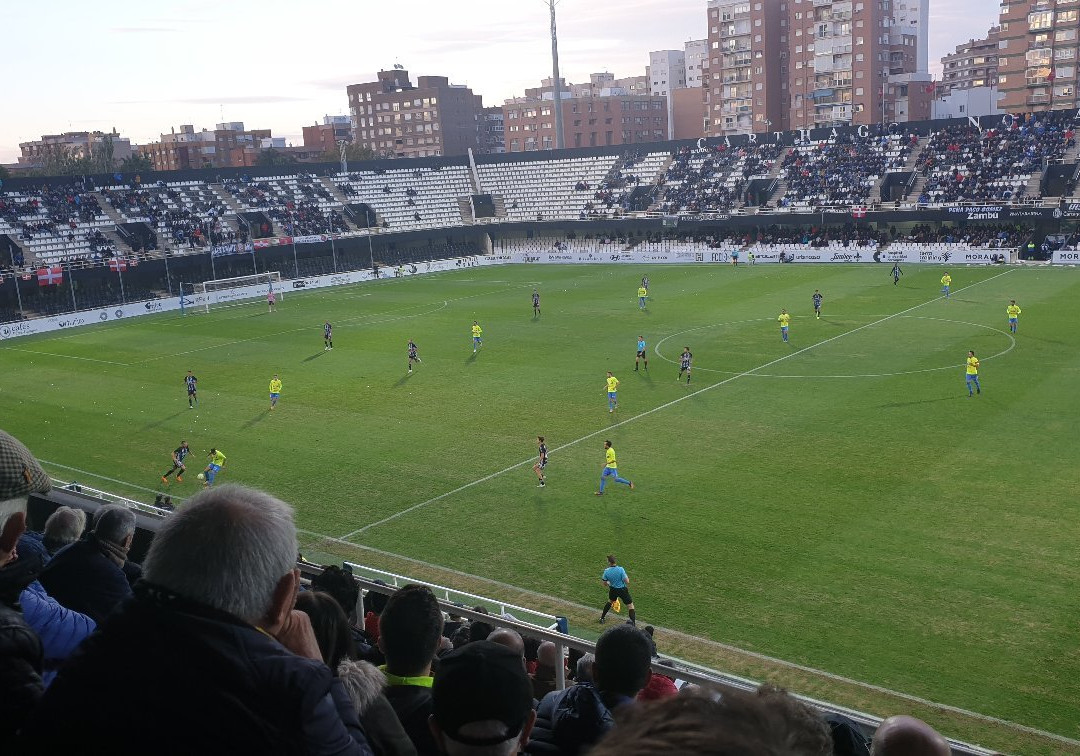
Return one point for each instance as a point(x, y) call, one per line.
point(715, 182)
point(842, 170)
point(225, 655)
point(963, 163)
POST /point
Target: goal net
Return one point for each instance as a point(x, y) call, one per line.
point(230, 291)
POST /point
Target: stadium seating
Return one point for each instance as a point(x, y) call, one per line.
point(546, 189)
point(962, 163)
point(700, 181)
point(409, 198)
point(56, 223)
point(617, 192)
point(840, 171)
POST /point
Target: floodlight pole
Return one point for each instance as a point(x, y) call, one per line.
point(560, 141)
point(344, 159)
point(15, 268)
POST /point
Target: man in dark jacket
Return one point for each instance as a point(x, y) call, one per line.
point(210, 656)
point(89, 575)
point(569, 721)
point(20, 648)
point(409, 631)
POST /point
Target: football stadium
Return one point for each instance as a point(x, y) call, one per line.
point(769, 431)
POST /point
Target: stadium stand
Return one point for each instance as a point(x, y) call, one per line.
point(713, 181)
point(409, 198)
point(965, 163)
point(539, 190)
point(57, 223)
point(841, 171)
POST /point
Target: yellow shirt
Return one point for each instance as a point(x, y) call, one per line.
point(946, 280)
point(972, 365)
point(275, 386)
point(612, 384)
point(218, 458)
point(1013, 310)
point(477, 331)
point(784, 319)
point(642, 291)
point(609, 458)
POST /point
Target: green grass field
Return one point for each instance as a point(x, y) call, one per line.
point(837, 501)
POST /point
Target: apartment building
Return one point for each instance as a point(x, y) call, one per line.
point(1037, 52)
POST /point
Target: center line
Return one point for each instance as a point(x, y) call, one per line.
point(646, 413)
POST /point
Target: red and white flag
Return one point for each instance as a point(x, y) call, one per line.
point(859, 211)
point(53, 275)
point(117, 264)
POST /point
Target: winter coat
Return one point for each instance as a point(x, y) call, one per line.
point(192, 679)
point(365, 683)
point(20, 650)
point(84, 580)
point(60, 629)
point(569, 722)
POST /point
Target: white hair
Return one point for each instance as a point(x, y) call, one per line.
point(114, 523)
point(228, 548)
point(487, 728)
point(65, 525)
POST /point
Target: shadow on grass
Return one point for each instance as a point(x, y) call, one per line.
point(162, 421)
point(257, 419)
point(315, 356)
point(471, 358)
point(897, 405)
point(402, 380)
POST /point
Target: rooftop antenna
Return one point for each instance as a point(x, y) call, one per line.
point(559, 137)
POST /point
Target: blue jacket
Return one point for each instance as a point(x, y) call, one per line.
point(186, 678)
point(60, 629)
point(570, 722)
point(84, 580)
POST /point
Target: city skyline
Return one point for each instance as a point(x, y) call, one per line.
point(145, 70)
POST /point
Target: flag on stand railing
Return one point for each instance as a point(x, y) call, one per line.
point(52, 275)
point(117, 264)
point(859, 211)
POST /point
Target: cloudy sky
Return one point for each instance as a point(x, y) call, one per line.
point(145, 66)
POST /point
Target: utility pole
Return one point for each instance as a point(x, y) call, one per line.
point(560, 141)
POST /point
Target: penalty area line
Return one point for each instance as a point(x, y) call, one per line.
point(654, 410)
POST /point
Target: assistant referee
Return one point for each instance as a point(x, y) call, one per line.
point(618, 583)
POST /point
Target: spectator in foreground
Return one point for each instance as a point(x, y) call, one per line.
point(363, 681)
point(908, 736)
point(482, 702)
point(737, 724)
point(211, 645)
point(20, 648)
point(89, 576)
point(569, 722)
point(410, 627)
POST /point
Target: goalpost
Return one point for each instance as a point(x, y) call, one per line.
point(225, 291)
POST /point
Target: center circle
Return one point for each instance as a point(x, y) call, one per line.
point(754, 372)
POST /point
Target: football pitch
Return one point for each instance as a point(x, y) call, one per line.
point(837, 501)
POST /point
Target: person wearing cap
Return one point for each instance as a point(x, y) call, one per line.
point(482, 702)
point(569, 722)
point(21, 653)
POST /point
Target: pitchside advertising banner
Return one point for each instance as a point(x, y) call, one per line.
point(956, 256)
point(199, 301)
point(1066, 257)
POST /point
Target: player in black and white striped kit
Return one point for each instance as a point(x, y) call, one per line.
point(328, 336)
point(541, 463)
point(685, 360)
point(412, 354)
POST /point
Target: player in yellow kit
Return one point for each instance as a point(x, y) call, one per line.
point(477, 333)
point(1013, 311)
point(612, 392)
point(972, 373)
point(946, 282)
point(217, 461)
point(275, 391)
point(784, 320)
point(611, 470)
point(642, 295)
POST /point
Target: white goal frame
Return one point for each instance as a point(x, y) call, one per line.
point(242, 287)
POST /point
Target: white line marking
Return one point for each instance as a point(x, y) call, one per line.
point(103, 477)
point(68, 356)
point(1009, 336)
point(722, 646)
point(654, 410)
